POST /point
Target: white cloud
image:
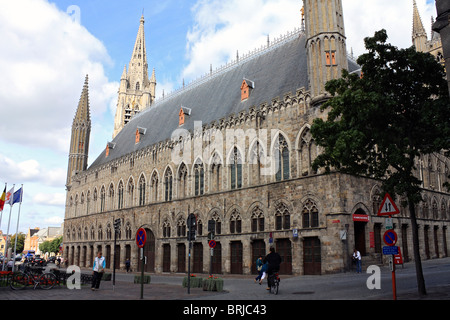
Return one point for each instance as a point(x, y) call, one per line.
point(31, 171)
point(221, 28)
point(52, 199)
point(44, 58)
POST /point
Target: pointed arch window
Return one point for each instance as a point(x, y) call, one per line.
point(257, 219)
point(216, 217)
point(120, 196)
point(168, 182)
point(130, 192)
point(236, 169)
point(154, 186)
point(182, 175)
point(282, 159)
point(102, 199)
point(181, 227)
point(199, 174)
point(310, 214)
point(142, 191)
point(235, 222)
point(166, 229)
point(282, 217)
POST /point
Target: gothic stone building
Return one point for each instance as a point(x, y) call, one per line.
point(235, 147)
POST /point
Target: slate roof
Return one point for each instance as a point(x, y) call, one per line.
point(275, 72)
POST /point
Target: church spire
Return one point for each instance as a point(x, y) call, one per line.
point(81, 131)
point(137, 91)
point(419, 35)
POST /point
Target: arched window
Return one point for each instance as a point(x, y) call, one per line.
point(282, 159)
point(216, 168)
point(235, 222)
point(257, 219)
point(130, 192)
point(257, 160)
point(168, 180)
point(181, 227)
point(199, 174)
point(310, 214)
point(218, 222)
point(142, 191)
point(307, 153)
point(182, 175)
point(154, 186)
point(120, 196)
point(236, 169)
point(282, 217)
point(166, 229)
point(138, 86)
point(102, 199)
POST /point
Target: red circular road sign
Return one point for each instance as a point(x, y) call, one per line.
point(390, 238)
point(212, 244)
point(141, 237)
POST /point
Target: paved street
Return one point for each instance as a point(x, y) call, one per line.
point(346, 286)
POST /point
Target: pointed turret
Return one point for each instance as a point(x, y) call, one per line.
point(419, 35)
point(81, 131)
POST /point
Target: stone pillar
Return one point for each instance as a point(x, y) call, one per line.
point(442, 26)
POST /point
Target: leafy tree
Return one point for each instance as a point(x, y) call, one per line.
point(380, 122)
point(51, 246)
point(20, 242)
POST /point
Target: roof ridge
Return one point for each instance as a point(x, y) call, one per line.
point(271, 45)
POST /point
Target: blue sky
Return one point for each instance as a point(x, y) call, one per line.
point(46, 53)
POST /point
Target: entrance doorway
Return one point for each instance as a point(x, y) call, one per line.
point(360, 237)
point(236, 257)
point(285, 251)
point(258, 249)
point(312, 256)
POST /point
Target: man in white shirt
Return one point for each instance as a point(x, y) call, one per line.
point(357, 259)
point(98, 270)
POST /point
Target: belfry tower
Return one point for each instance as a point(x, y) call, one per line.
point(137, 91)
point(325, 44)
point(81, 131)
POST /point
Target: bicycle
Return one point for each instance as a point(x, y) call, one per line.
point(274, 281)
point(21, 280)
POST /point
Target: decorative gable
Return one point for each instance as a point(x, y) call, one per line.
point(246, 88)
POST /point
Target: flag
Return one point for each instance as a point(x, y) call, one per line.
point(2, 199)
point(17, 196)
point(9, 197)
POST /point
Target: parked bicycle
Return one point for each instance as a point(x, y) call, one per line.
point(21, 280)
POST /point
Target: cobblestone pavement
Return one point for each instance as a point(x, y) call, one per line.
point(345, 286)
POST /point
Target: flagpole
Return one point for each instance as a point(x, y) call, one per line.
point(1, 215)
point(7, 232)
point(17, 227)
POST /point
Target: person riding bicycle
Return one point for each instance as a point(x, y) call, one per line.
point(274, 260)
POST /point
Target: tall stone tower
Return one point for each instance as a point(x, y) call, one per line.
point(81, 131)
point(325, 44)
point(419, 35)
point(136, 91)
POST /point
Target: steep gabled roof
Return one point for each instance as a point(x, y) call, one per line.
point(276, 71)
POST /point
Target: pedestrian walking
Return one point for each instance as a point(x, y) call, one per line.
point(259, 265)
point(127, 265)
point(98, 270)
point(357, 258)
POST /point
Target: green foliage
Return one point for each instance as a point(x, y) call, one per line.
point(379, 123)
point(51, 246)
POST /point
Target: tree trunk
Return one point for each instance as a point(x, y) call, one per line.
point(417, 260)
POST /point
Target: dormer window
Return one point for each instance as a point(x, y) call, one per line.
point(184, 112)
point(139, 132)
point(110, 146)
point(246, 87)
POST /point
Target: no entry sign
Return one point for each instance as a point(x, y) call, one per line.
point(141, 237)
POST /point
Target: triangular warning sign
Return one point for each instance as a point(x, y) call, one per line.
point(388, 207)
